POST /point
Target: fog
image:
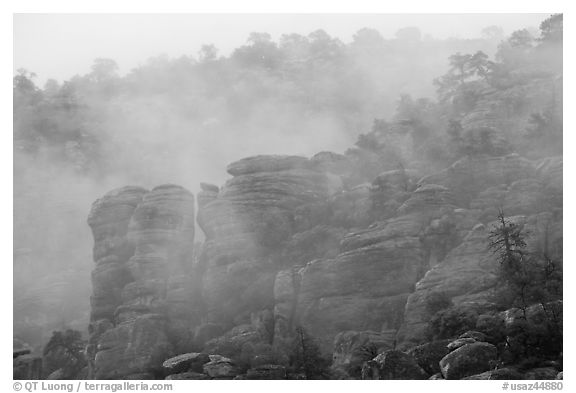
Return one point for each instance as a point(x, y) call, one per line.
point(60, 46)
point(137, 100)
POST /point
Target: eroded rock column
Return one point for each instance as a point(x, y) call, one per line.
point(152, 309)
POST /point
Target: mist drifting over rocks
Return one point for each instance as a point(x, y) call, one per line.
point(302, 208)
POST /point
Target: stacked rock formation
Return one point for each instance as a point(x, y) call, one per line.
point(293, 242)
point(245, 225)
point(142, 244)
point(365, 287)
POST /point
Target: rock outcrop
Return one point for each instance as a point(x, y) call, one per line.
point(471, 175)
point(359, 271)
point(468, 360)
point(27, 366)
point(142, 247)
point(466, 276)
point(254, 212)
point(366, 286)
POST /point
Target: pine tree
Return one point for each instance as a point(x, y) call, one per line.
point(306, 356)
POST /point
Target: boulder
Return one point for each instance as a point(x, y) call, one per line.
point(478, 336)
point(352, 349)
point(428, 355)
point(499, 374)
point(232, 342)
point(187, 375)
point(267, 371)
point(186, 362)
point(460, 342)
point(468, 360)
point(393, 364)
point(541, 373)
point(209, 187)
point(220, 367)
point(560, 375)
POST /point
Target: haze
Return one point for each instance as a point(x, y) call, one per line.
point(59, 46)
point(122, 114)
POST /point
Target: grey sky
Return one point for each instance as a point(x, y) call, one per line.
point(61, 45)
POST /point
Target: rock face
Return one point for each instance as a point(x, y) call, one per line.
point(109, 220)
point(465, 275)
point(366, 286)
point(468, 360)
point(27, 367)
point(267, 163)
point(254, 212)
point(142, 247)
point(290, 243)
point(469, 176)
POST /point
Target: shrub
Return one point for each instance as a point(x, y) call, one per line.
point(493, 326)
point(537, 336)
point(533, 282)
point(451, 322)
point(438, 301)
